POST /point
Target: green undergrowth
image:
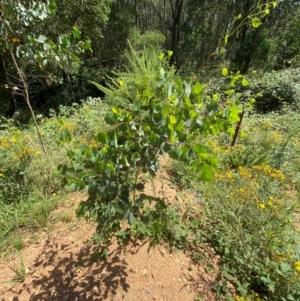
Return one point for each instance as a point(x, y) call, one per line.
point(29, 190)
point(248, 214)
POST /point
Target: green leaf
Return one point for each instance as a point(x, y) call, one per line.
point(230, 92)
point(75, 58)
point(175, 153)
point(165, 111)
point(76, 32)
point(291, 298)
point(158, 228)
point(245, 82)
point(87, 44)
point(52, 5)
point(234, 114)
point(212, 107)
point(265, 280)
point(224, 72)
point(41, 39)
point(226, 39)
point(102, 138)
point(173, 119)
point(207, 172)
point(198, 148)
point(284, 267)
point(231, 131)
point(170, 53)
point(165, 147)
point(110, 118)
point(63, 169)
point(198, 88)
point(256, 22)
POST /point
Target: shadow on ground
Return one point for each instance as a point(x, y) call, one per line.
point(60, 273)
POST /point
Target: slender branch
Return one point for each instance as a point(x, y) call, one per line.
point(27, 99)
point(237, 129)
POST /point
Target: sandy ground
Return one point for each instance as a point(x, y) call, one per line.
point(60, 266)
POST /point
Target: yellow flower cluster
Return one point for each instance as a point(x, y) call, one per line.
point(244, 172)
point(297, 266)
point(6, 142)
point(286, 256)
point(15, 144)
point(266, 125)
point(14, 137)
point(225, 176)
point(271, 203)
point(93, 143)
point(27, 151)
point(276, 136)
point(266, 169)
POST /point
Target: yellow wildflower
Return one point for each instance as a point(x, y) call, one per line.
point(297, 266)
point(262, 206)
point(244, 172)
point(266, 169)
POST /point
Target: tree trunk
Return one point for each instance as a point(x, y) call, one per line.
point(175, 31)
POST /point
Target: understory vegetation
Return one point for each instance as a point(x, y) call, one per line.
point(247, 213)
point(227, 124)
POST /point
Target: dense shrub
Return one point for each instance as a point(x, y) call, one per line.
point(273, 91)
point(277, 89)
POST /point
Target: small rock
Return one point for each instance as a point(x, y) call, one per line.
point(95, 289)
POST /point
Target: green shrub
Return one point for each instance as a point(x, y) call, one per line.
point(277, 89)
point(273, 91)
point(249, 222)
point(248, 214)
